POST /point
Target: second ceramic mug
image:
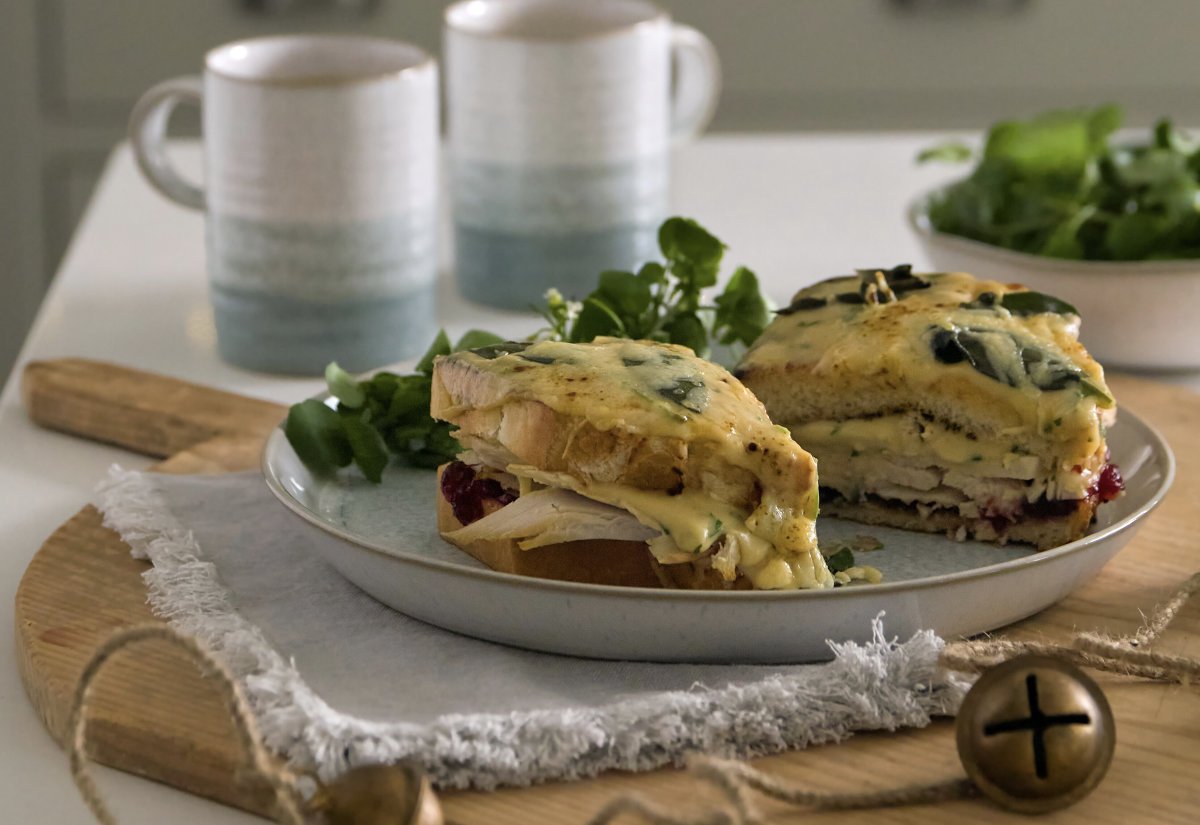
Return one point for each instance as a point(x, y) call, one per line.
point(560, 118)
point(320, 154)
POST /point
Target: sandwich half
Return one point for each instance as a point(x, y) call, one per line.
point(942, 403)
point(623, 462)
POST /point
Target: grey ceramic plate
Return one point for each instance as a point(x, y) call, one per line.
point(384, 539)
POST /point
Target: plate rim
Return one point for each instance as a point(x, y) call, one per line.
point(1035, 559)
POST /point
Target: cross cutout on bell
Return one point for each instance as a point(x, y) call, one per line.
point(1070, 726)
point(1038, 722)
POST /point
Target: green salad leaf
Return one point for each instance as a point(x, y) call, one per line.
point(370, 420)
point(1059, 185)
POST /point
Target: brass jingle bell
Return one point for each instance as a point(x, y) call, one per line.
point(397, 794)
point(1035, 734)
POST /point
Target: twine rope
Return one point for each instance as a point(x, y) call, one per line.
point(282, 780)
point(1116, 654)
point(734, 780)
point(1121, 654)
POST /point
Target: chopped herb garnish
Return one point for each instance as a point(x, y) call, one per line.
point(839, 555)
point(841, 560)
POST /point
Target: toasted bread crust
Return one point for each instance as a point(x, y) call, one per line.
point(623, 563)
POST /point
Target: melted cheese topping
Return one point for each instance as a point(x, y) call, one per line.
point(890, 347)
point(663, 390)
point(905, 435)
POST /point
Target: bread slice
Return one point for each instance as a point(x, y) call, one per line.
point(650, 429)
point(943, 403)
point(593, 561)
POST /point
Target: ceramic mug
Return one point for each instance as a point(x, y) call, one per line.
point(320, 196)
point(561, 117)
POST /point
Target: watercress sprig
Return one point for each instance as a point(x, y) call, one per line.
point(383, 415)
point(664, 301)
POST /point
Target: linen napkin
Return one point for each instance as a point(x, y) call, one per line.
point(337, 679)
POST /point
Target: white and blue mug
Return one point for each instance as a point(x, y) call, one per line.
point(320, 197)
point(561, 117)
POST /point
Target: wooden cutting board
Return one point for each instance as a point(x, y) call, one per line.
point(156, 716)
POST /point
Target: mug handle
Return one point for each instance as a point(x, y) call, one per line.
point(148, 132)
point(697, 82)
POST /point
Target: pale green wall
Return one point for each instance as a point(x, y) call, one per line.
point(70, 70)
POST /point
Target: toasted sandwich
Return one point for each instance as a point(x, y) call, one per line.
point(942, 403)
point(623, 462)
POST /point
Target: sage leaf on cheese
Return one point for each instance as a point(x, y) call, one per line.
point(1007, 358)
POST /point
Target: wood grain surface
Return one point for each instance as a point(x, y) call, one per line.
point(150, 414)
point(156, 716)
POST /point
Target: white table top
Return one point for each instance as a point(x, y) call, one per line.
point(131, 290)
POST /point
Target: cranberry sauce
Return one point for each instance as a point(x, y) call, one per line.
point(1109, 484)
point(467, 494)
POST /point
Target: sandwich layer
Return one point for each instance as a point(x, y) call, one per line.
point(939, 402)
point(626, 562)
point(648, 429)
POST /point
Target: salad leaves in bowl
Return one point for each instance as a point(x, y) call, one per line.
point(1065, 204)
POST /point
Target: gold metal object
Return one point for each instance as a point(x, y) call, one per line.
point(379, 795)
point(1035, 734)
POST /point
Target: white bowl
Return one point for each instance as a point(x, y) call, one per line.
point(1136, 314)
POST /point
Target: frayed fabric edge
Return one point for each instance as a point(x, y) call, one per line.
point(881, 685)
